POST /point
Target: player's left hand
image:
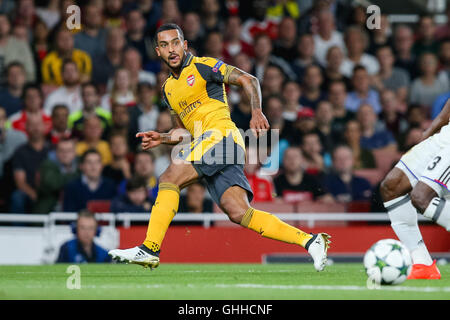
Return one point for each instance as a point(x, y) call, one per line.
point(259, 124)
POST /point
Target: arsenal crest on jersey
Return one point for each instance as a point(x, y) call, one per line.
point(190, 80)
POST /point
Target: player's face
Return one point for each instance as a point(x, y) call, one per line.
point(171, 48)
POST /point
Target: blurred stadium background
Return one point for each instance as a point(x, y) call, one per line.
point(66, 91)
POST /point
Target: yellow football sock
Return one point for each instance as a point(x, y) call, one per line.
point(270, 226)
point(163, 211)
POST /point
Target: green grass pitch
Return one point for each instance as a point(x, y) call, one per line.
point(211, 281)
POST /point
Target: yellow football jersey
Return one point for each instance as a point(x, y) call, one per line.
point(198, 97)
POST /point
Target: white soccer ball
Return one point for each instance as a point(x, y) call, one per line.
point(388, 262)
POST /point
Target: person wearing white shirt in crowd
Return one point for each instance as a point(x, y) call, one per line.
point(121, 92)
point(70, 93)
point(356, 41)
point(326, 37)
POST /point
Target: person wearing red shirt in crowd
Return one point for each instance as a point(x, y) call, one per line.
point(262, 185)
point(233, 44)
point(60, 130)
point(32, 99)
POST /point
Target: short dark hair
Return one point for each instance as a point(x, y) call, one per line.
point(168, 26)
point(58, 106)
point(88, 152)
point(32, 86)
point(85, 213)
point(148, 153)
point(136, 183)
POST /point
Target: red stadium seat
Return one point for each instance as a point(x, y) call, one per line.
point(99, 206)
point(374, 176)
point(385, 159)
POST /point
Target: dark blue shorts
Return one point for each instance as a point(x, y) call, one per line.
point(221, 167)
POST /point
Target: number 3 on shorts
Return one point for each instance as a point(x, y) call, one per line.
point(434, 163)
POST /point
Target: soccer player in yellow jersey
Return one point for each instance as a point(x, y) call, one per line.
point(195, 95)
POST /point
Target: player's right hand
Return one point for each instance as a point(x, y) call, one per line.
point(150, 139)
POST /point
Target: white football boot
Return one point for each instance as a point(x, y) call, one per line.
point(317, 247)
point(136, 255)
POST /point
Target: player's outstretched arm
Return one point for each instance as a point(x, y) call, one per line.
point(251, 87)
point(441, 120)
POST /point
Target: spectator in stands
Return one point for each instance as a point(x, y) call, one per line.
point(390, 77)
point(313, 160)
point(257, 23)
point(25, 163)
point(332, 71)
point(91, 39)
point(444, 60)
point(426, 40)
point(356, 42)
point(426, 88)
point(326, 37)
point(136, 198)
point(13, 49)
point(363, 158)
point(122, 91)
point(304, 56)
point(362, 93)
point(195, 201)
point(404, 57)
point(312, 92)
point(120, 168)
point(10, 140)
point(120, 118)
point(91, 107)
point(60, 129)
point(40, 45)
point(342, 182)
point(324, 124)
point(305, 123)
point(273, 106)
point(262, 185)
point(214, 45)
point(68, 94)
point(32, 100)
point(193, 31)
point(374, 137)
point(136, 35)
point(209, 12)
point(380, 37)
point(105, 65)
point(411, 137)
point(273, 81)
point(112, 11)
point(416, 116)
point(293, 184)
point(291, 95)
point(91, 185)
point(242, 112)
point(264, 58)
point(11, 94)
point(54, 175)
point(144, 168)
point(92, 139)
point(132, 61)
point(392, 118)
point(83, 249)
point(233, 44)
point(337, 95)
point(285, 46)
point(53, 65)
point(143, 116)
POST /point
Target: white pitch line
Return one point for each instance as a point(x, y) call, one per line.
point(331, 287)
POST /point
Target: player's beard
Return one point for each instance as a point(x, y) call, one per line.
point(177, 68)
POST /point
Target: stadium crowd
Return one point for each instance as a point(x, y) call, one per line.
point(346, 100)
